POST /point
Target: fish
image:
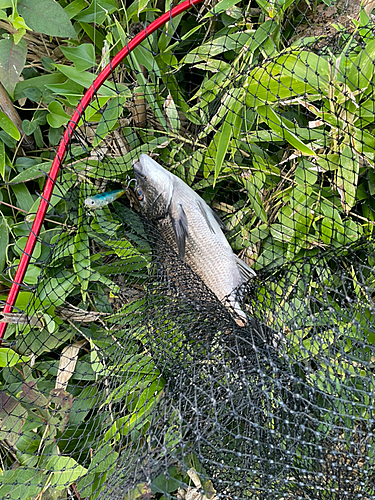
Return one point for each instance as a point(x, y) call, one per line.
point(102, 199)
point(193, 230)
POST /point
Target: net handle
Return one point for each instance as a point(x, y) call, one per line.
point(61, 151)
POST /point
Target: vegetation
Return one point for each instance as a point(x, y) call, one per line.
point(288, 126)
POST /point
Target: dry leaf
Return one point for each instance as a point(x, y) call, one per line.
point(68, 360)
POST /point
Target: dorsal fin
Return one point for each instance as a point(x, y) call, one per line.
point(215, 216)
point(204, 213)
point(223, 227)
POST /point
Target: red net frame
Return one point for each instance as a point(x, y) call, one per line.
point(62, 149)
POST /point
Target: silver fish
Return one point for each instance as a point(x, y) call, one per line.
point(102, 199)
point(193, 230)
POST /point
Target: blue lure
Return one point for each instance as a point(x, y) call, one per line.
point(103, 199)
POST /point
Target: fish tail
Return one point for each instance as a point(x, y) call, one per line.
point(231, 303)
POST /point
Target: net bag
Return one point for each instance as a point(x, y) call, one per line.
point(126, 374)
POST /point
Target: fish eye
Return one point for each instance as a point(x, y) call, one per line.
point(139, 194)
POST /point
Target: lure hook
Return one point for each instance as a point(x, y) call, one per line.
point(131, 180)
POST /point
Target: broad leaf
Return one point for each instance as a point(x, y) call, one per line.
point(12, 61)
point(83, 56)
point(83, 78)
point(8, 357)
point(46, 16)
point(7, 125)
point(57, 116)
point(65, 471)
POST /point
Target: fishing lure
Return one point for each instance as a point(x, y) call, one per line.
point(102, 199)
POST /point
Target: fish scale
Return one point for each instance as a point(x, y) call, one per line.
point(206, 253)
point(192, 230)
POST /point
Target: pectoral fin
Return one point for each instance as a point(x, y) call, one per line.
point(180, 226)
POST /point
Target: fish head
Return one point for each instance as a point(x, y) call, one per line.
point(154, 187)
point(90, 203)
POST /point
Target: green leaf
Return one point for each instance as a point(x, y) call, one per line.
point(282, 233)
point(124, 249)
point(277, 124)
point(109, 118)
point(103, 459)
point(38, 341)
point(267, 88)
point(304, 173)
point(347, 178)
point(67, 181)
point(4, 241)
point(12, 62)
point(222, 6)
point(219, 45)
point(231, 126)
point(146, 400)
point(46, 16)
point(149, 93)
point(75, 7)
point(362, 68)
point(254, 199)
point(142, 55)
point(32, 274)
point(224, 138)
point(22, 483)
point(33, 94)
point(29, 127)
point(83, 56)
point(57, 117)
point(8, 357)
point(55, 290)
point(95, 35)
point(139, 492)
point(81, 253)
point(166, 483)
point(55, 135)
point(132, 12)
point(326, 230)
point(65, 471)
point(69, 89)
point(34, 172)
point(304, 66)
point(24, 198)
point(83, 78)
point(172, 113)
point(38, 82)
point(2, 160)
point(97, 11)
point(96, 364)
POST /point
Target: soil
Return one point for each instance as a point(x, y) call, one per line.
point(319, 21)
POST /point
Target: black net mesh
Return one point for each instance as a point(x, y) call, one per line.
point(125, 375)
